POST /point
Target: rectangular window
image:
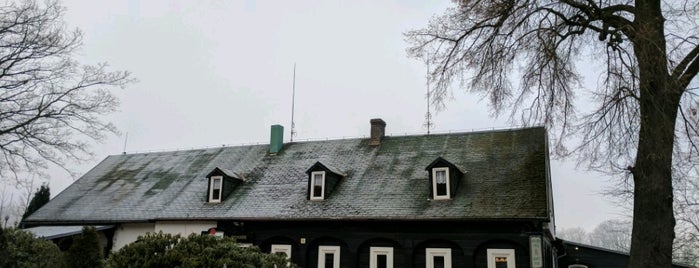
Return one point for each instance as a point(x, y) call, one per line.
point(501, 258)
point(284, 249)
point(440, 183)
point(215, 189)
point(380, 257)
point(328, 257)
point(318, 185)
point(438, 257)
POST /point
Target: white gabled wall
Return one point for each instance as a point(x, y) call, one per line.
point(184, 228)
point(128, 233)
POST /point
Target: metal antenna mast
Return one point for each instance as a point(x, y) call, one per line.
point(293, 96)
point(428, 116)
point(125, 139)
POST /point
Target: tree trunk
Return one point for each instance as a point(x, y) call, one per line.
point(653, 221)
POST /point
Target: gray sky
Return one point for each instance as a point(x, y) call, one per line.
point(220, 72)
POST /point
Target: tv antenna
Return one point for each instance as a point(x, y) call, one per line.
point(428, 116)
point(293, 96)
point(125, 139)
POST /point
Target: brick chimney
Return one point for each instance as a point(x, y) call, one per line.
point(378, 130)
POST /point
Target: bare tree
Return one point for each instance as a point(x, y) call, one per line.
point(613, 234)
point(686, 248)
point(575, 234)
point(51, 107)
point(645, 103)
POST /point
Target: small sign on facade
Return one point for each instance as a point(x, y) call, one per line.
point(535, 251)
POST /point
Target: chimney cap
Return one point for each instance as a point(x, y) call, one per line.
point(377, 121)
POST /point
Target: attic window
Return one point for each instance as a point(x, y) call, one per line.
point(215, 189)
point(440, 183)
point(222, 182)
point(444, 179)
point(322, 181)
point(318, 185)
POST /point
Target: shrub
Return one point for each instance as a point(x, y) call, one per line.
point(22, 249)
point(165, 250)
point(86, 250)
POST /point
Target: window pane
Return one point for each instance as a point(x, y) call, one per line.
point(438, 262)
point(216, 194)
point(381, 261)
point(329, 260)
point(441, 177)
point(317, 191)
point(500, 262)
point(441, 189)
point(217, 184)
point(317, 185)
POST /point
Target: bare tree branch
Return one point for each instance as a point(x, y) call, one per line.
point(50, 106)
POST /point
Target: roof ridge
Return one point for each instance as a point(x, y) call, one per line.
point(389, 135)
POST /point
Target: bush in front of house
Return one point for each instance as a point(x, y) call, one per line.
point(86, 250)
point(166, 250)
point(21, 249)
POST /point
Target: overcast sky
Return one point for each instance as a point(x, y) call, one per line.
point(220, 72)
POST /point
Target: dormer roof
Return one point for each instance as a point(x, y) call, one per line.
point(226, 173)
point(318, 165)
point(441, 162)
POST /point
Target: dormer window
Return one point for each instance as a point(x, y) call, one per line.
point(215, 189)
point(444, 178)
point(440, 183)
point(318, 183)
point(222, 182)
point(322, 180)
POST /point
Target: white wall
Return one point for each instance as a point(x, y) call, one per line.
point(129, 232)
point(184, 228)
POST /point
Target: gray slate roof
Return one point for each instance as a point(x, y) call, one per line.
point(506, 177)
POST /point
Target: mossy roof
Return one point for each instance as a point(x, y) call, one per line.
point(506, 177)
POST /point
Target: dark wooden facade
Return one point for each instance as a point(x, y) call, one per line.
point(468, 241)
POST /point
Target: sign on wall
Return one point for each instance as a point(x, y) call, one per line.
point(535, 251)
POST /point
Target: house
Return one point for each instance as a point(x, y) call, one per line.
point(478, 199)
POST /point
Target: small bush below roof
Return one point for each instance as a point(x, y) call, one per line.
point(166, 250)
point(19, 248)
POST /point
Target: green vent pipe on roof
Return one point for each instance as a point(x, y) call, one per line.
point(276, 139)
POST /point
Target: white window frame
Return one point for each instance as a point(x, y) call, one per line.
point(430, 253)
point(281, 248)
point(374, 253)
point(434, 184)
point(211, 189)
point(322, 187)
point(322, 250)
point(498, 253)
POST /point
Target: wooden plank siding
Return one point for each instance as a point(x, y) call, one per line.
point(468, 241)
